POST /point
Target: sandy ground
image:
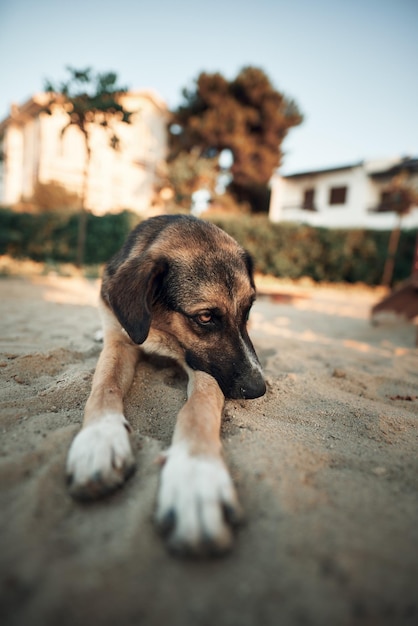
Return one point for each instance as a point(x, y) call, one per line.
point(325, 466)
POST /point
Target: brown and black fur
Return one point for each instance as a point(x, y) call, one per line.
point(182, 288)
point(170, 269)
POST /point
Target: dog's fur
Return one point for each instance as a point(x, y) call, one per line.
point(182, 288)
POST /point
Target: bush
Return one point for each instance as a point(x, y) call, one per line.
point(55, 198)
point(283, 250)
point(332, 255)
point(53, 237)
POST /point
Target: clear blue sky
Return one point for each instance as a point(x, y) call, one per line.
point(351, 65)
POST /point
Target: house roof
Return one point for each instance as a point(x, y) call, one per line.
point(376, 169)
point(20, 113)
point(327, 170)
point(407, 164)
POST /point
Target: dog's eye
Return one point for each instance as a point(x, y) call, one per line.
point(204, 318)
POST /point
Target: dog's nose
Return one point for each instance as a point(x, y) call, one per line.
point(255, 388)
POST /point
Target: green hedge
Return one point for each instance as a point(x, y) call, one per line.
point(332, 255)
point(51, 237)
point(284, 250)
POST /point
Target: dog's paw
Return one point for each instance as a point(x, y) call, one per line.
point(197, 504)
point(100, 458)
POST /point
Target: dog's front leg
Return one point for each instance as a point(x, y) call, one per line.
point(197, 503)
point(100, 458)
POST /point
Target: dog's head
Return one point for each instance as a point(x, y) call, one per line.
point(195, 283)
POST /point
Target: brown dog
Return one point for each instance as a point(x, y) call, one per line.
point(181, 288)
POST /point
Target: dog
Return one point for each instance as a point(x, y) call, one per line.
point(182, 288)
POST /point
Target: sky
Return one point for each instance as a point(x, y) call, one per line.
point(351, 65)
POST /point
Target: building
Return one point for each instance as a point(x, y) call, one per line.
point(34, 149)
point(341, 197)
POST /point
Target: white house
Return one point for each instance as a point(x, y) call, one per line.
point(34, 150)
point(341, 197)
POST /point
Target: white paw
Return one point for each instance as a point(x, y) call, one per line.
point(197, 503)
point(100, 458)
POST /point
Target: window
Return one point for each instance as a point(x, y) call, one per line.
point(337, 195)
point(308, 200)
point(385, 198)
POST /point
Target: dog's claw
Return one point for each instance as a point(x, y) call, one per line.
point(97, 487)
point(233, 515)
point(166, 523)
point(197, 504)
point(97, 477)
point(205, 546)
point(100, 459)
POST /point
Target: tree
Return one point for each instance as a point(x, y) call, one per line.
point(246, 116)
point(88, 98)
point(187, 173)
point(400, 196)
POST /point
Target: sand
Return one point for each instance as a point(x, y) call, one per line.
point(325, 466)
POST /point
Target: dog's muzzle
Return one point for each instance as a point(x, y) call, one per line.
point(244, 386)
point(240, 379)
point(255, 389)
point(252, 387)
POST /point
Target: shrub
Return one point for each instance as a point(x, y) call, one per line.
point(333, 255)
point(283, 250)
point(53, 236)
point(53, 197)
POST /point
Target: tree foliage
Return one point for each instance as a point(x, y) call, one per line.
point(246, 115)
point(89, 99)
point(53, 197)
point(399, 197)
point(187, 173)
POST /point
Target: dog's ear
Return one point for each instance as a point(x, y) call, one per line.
point(249, 263)
point(131, 291)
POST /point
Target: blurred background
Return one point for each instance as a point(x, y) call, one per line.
point(291, 124)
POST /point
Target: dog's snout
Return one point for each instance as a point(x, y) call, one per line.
point(248, 381)
point(253, 389)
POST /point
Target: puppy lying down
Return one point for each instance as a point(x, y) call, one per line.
point(182, 288)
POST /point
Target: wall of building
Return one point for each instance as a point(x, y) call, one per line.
point(37, 149)
point(11, 165)
point(363, 193)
